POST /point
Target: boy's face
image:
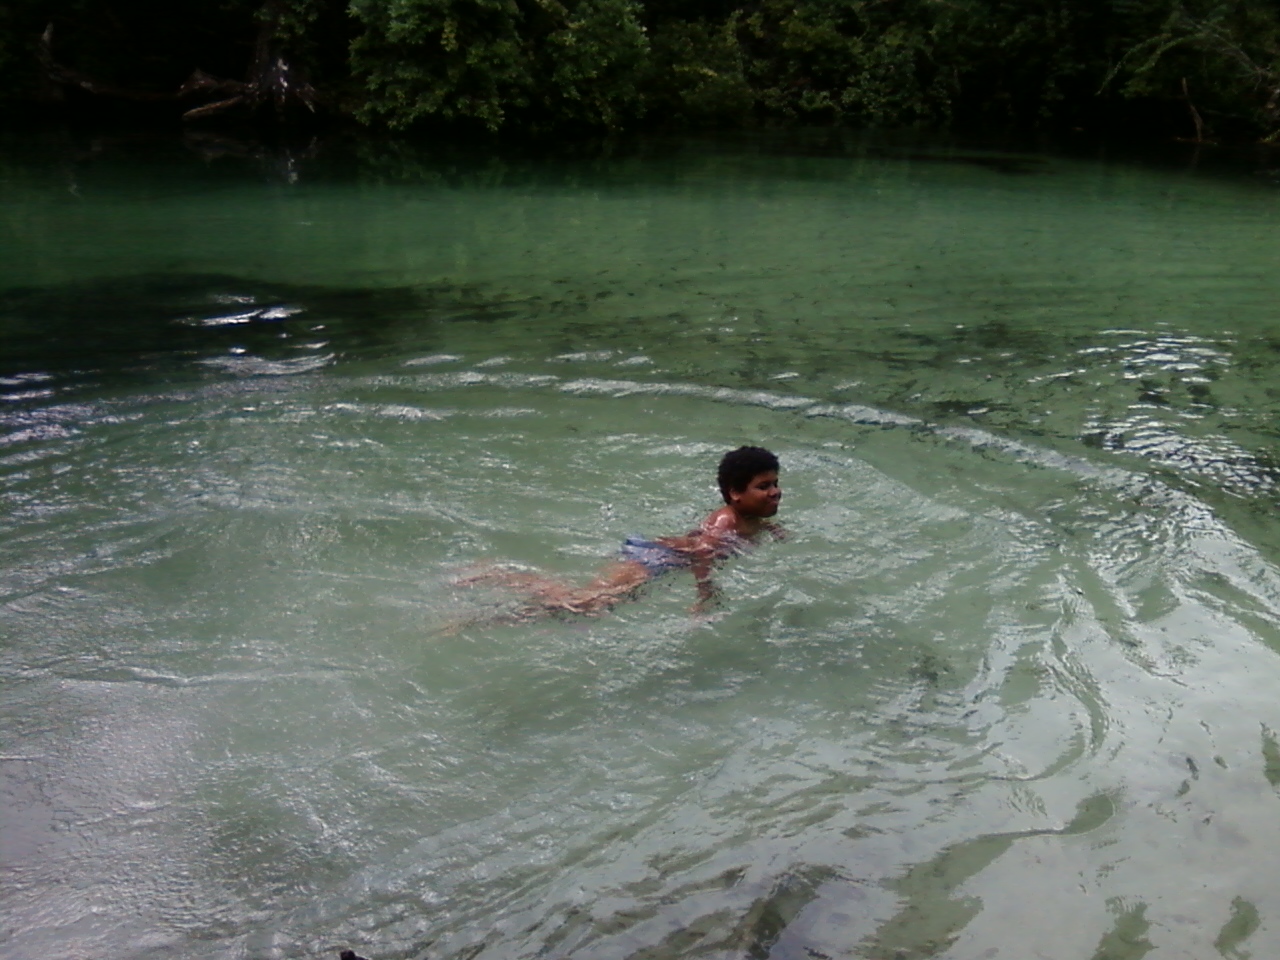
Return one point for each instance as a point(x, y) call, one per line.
point(760, 498)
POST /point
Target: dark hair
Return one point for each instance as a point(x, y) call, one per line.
point(738, 467)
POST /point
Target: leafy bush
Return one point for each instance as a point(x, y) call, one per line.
point(696, 73)
point(1222, 56)
point(545, 62)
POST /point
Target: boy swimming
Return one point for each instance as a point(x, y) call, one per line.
point(748, 481)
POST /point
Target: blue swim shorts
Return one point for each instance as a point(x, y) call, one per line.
point(655, 557)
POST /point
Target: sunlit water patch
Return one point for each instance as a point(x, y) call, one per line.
point(1018, 650)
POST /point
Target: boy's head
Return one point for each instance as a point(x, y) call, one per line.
point(739, 467)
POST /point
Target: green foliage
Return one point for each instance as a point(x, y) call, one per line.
point(592, 60)
point(1222, 56)
point(291, 21)
point(546, 62)
point(857, 59)
point(1027, 61)
point(440, 58)
point(697, 72)
point(896, 62)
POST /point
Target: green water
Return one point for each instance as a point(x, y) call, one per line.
point(1007, 690)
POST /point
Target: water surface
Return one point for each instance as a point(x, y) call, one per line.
point(1007, 690)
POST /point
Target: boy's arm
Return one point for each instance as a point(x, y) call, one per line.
point(709, 545)
point(703, 548)
point(708, 592)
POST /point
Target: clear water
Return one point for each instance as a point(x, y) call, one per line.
point(1008, 690)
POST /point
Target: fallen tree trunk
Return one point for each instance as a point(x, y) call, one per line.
point(272, 89)
point(66, 76)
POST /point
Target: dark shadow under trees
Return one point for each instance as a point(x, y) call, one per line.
point(1201, 70)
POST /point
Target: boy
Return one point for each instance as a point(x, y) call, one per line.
point(748, 480)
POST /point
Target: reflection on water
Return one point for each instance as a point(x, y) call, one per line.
point(1019, 649)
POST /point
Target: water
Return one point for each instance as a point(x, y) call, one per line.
point(1007, 690)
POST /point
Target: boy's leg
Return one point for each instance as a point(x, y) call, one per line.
point(621, 575)
point(614, 583)
point(504, 577)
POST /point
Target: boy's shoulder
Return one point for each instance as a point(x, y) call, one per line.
point(726, 521)
point(721, 520)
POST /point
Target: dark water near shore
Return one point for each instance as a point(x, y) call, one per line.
point(1007, 690)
